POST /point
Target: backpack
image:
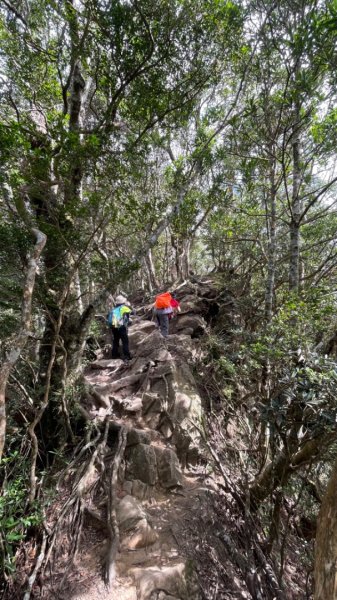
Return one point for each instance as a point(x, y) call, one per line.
point(116, 318)
point(163, 300)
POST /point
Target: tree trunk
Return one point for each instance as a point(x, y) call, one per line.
point(326, 544)
point(151, 270)
point(78, 291)
point(294, 250)
point(25, 327)
point(177, 254)
point(271, 220)
point(185, 259)
point(286, 463)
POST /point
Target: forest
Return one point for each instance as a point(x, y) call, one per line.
point(154, 145)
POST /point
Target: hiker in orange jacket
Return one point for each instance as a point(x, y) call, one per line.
point(162, 309)
point(166, 307)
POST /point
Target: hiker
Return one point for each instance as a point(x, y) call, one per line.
point(163, 311)
point(118, 320)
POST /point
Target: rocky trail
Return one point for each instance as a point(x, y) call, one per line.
point(149, 504)
point(156, 502)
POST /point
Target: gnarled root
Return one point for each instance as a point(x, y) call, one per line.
point(109, 567)
point(94, 473)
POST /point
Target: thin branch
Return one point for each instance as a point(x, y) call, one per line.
point(15, 12)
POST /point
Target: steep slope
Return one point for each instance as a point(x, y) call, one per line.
point(152, 501)
point(144, 484)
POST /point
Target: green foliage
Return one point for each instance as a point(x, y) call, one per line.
point(16, 517)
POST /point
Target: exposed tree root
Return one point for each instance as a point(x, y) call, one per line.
point(32, 578)
point(109, 569)
point(95, 470)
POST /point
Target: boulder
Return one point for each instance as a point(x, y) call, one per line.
point(183, 347)
point(187, 403)
point(113, 364)
point(138, 332)
point(127, 487)
point(129, 405)
point(140, 490)
point(169, 472)
point(187, 331)
point(144, 326)
point(174, 580)
point(141, 536)
point(129, 512)
point(138, 436)
point(191, 322)
point(152, 403)
point(152, 409)
point(142, 464)
point(134, 527)
point(189, 305)
point(151, 344)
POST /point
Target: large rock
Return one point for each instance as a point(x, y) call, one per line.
point(169, 472)
point(187, 403)
point(142, 464)
point(145, 327)
point(129, 512)
point(138, 332)
point(113, 364)
point(183, 347)
point(151, 344)
point(141, 536)
point(140, 490)
point(129, 405)
point(134, 527)
point(192, 322)
point(152, 409)
point(152, 403)
point(177, 580)
point(137, 436)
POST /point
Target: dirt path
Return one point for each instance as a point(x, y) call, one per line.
point(170, 516)
point(155, 400)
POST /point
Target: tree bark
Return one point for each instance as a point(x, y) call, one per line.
point(286, 463)
point(25, 329)
point(326, 544)
point(151, 271)
point(271, 220)
point(294, 250)
point(185, 258)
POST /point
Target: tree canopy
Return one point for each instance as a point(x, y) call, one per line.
point(147, 143)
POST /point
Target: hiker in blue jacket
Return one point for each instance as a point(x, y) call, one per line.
point(118, 320)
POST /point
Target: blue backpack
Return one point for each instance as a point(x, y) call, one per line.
point(116, 318)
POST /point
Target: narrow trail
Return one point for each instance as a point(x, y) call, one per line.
point(144, 500)
point(162, 490)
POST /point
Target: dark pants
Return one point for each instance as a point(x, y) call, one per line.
point(120, 333)
point(163, 322)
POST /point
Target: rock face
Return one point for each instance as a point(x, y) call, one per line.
point(135, 530)
point(169, 472)
point(171, 582)
point(157, 390)
point(142, 464)
point(193, 325)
